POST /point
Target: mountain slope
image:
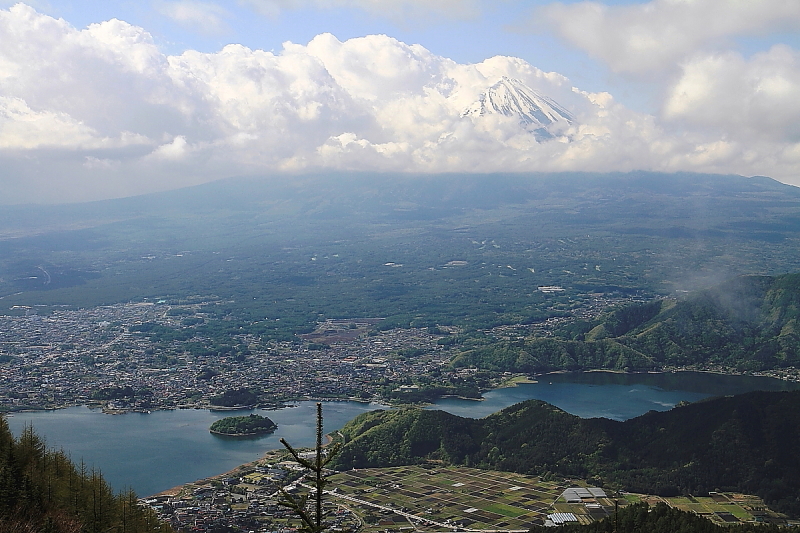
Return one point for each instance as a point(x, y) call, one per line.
point(542, 116)
point(319, 244)
point(747, 443)
point(747, 323)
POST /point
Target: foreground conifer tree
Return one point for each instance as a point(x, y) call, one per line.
point(41, 490)
point(313, 521)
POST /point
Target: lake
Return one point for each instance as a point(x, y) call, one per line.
point(157, 451)
point(614, 395)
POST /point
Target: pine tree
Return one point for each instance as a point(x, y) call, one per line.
point(42, 491)
point(313, 521)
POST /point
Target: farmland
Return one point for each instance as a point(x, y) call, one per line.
point(430, 497)
point(721, 508)
point(457, 497)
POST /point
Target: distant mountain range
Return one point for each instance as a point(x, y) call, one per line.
point(748, 443)
point(542, 116)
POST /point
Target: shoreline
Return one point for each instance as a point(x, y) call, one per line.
point(789, 375)
point(266, 456)
point(507, 385)
point(254, 434)
point(675, 370)
point(174, 491)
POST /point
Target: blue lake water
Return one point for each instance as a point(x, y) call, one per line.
point(157, 451)
point(612, 395)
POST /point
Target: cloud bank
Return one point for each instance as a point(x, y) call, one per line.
point(102, 112)
point(657, 35)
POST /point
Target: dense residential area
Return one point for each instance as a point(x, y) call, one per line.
point(98, 356)
point(157, 355)
point(247, 498)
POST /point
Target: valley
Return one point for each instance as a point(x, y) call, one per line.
point(410, 290)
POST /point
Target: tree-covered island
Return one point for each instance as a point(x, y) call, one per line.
point(240, 426)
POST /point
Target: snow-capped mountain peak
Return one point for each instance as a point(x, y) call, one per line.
point(537, 113)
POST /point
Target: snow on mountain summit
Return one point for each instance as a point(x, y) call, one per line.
point(540, 115)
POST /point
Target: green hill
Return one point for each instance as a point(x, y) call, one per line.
point(748, 443)
point(747, 323)
point(239, 426)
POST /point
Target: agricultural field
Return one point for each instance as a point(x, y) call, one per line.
point(719, 507)
point(429, 497)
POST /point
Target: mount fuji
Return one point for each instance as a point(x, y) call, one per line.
point(540, 115)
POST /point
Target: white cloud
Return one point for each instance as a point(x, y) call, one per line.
point(204, 17)
point(400, 10)
point(102, 112)
point(174, 151)
point(93, 163)
point(26, 129)
point(649, 37)
point(109, 77)
point(744, 98)
point(22, 128)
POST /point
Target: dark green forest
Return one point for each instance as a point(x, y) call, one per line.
point(747, 443)
point(749, 323)
point(243, 425)
point(42, 490)
point(235, 398)
point(641, 518)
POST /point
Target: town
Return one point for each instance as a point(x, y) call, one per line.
point(247, 498)
point(118, 358)
point(91, 357)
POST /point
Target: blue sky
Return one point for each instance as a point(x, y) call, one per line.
point(701, 85)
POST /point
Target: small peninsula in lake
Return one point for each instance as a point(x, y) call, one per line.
point(243, 426)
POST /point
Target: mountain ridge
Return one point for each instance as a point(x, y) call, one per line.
point(748, 323)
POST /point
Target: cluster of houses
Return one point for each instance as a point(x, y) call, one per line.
point(74, 357)
point(69, 357)
point(248, 500)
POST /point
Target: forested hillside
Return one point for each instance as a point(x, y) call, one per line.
point(243, 425)
point(748, 443)
point(42, 490)
point(747, 323)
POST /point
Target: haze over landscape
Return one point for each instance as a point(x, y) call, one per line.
point(583, 215)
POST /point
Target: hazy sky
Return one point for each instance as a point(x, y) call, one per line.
point(111, 98)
